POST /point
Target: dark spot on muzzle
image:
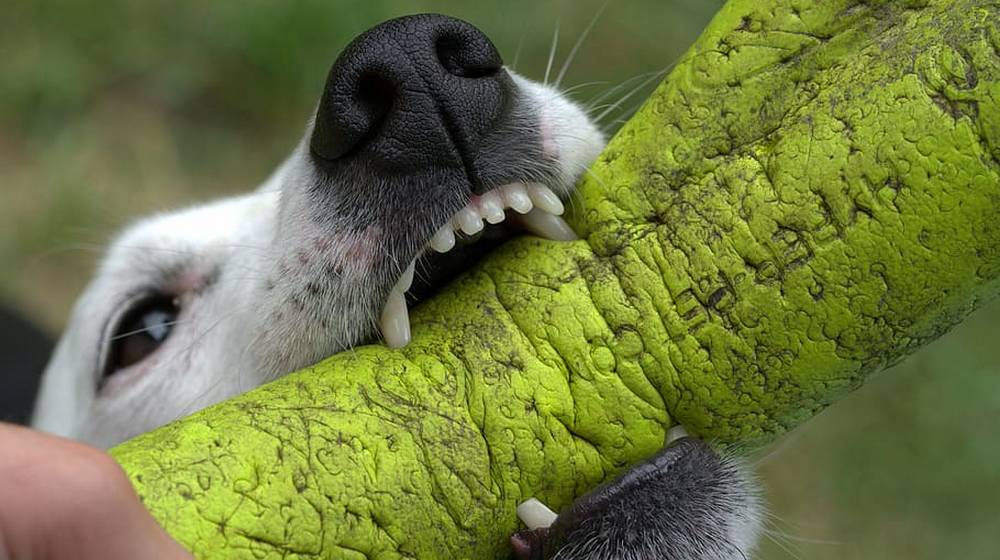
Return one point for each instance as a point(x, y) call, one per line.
point(415, 93)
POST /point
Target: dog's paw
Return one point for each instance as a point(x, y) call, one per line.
point(689, 502)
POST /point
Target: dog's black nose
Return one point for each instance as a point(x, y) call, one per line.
point(414, 92)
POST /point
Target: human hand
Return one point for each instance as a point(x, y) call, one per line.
point(61, 499)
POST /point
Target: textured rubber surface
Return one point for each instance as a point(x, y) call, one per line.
point(811, 195)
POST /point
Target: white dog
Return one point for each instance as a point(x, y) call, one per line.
point(420, 136)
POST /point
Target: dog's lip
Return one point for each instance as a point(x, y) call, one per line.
point(537, 209)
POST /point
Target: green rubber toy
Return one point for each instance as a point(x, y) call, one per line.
point(812, 194)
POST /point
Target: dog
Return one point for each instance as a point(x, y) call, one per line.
point(421, 135)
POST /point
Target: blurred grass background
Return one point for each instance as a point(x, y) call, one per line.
point(111, 110)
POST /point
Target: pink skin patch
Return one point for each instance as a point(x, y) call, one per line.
point(550, 148)
point(189, 283)
point(359, 249)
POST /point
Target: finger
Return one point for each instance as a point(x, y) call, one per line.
point(60, 499)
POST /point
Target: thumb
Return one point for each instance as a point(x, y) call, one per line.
point(60, 499)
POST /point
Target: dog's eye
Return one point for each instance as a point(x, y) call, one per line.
point(143, 329)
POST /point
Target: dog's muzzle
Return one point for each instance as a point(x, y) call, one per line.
point(420, 137)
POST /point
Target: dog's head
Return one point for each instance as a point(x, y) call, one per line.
point(420, 136)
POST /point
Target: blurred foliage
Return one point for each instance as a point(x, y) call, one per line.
point(114, 109)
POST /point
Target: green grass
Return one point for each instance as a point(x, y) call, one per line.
point(906, 467)
point(115, 109)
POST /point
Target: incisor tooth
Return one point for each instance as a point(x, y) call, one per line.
point(544, 198)
point(548, 226)
point(535, 515)
point(469, 221)
point(444, 240)
point(516, 196)
point(395, 321)
point(491, 207)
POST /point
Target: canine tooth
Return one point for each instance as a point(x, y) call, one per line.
point(544, 198)
point(516, 196)
point(535, 515)
point(491, 207)
point(395, 321)
point(406, 280)
point(469, 221)
point(444, 240)
point(548, 226)
point(675, 433)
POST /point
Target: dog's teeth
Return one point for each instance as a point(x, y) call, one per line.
point(516, 197)
point(469, 221)
point(406, 280)
point(544, 198)
point(535, 515)
point(444, 240)
point(675, 433)
point(548, 226)
point(395, 320)
point(491, 207)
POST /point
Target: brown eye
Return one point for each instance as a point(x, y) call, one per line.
point(142, 330)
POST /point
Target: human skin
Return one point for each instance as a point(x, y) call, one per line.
point(810, 196)
point(61, 499)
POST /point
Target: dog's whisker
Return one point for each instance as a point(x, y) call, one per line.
point(579, 42)
point(626, 97)
point(552, 54)
point(96, 248)
point(612, 91)
point(783, 544)
point(577, 87)
point(626, 114)
point(146, 330)
point(517, 51)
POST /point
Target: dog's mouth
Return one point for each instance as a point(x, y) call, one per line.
point(530, 207)
point(429, 149)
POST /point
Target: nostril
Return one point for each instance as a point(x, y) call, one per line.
point(375, 95)
point(467, 57)
point(352, 112)
point(411, 92)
